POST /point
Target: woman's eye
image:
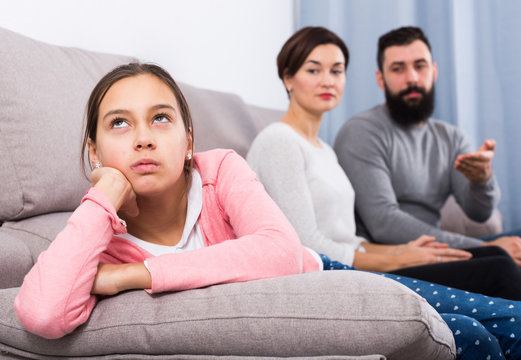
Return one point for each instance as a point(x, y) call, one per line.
point(337, 72)
point(313, 71)
point(161, 119)
point(118, 123)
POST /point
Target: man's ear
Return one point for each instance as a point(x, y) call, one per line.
point(434, 71)
point(93, 153)
point(380, 79)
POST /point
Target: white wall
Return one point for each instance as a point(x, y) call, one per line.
point(226, 45)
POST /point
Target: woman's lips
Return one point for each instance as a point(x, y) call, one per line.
point(326, 96)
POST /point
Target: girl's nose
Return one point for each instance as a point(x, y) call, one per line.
point(144, 139)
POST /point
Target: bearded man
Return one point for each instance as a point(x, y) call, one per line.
point(403, 164)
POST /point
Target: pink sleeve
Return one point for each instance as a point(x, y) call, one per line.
point(55, 296)
point(266, 245)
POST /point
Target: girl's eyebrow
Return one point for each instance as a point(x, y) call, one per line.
point(123, 111)
point(115, 112)
point(163, 106)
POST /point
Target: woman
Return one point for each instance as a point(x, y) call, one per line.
point(157, 217)
point(302, 175)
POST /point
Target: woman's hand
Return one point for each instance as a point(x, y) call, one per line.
point(114, 278)
point(425, 250)
point(116, 187)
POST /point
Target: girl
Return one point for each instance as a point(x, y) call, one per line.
point(302, 175)
point(157, 217)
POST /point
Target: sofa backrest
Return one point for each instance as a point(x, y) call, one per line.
point(43, 94)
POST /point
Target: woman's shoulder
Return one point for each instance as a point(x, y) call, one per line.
point(276, 138)
point(274, 132)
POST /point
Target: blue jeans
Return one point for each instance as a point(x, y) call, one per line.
point(483, 327)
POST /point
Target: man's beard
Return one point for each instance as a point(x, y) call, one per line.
point(413, 111)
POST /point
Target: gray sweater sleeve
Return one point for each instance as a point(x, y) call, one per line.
point(280, 165)
point(364, 155)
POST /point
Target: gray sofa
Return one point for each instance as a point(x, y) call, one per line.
point(322, 315)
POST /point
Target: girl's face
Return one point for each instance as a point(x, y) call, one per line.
point(141, 133)
point(319, 83)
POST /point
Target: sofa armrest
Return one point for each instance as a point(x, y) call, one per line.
point(455, 220)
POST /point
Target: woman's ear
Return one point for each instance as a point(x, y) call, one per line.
point(288, 83)
point(93, 153)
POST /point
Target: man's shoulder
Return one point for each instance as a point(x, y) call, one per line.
point(375, 120)
point(377, 113)
point(444, 128)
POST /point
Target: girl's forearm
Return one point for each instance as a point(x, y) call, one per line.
point(114, 278)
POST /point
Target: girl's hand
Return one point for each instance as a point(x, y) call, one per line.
point(114, 278)
point(116, 187)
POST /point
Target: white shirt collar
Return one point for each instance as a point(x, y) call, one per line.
point(191, 238)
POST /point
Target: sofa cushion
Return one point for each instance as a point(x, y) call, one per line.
point(43, 96)
point(21, 242)
point(223, 120)
point(454, 219)
point(332, 313)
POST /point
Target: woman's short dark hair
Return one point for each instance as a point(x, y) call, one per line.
point(298, 47)
point(126, 71)
point(399, 37)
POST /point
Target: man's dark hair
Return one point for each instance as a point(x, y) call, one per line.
point(399, 37)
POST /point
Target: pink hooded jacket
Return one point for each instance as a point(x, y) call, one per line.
point(240, 225)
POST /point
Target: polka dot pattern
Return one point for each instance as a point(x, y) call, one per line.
point(483, 327)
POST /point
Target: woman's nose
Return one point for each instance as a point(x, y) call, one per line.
point(327, 79)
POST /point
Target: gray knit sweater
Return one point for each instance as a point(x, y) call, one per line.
point(403, 175)
point(310, 187)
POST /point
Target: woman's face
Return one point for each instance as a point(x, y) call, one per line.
point(319, 83)
point(141, 133)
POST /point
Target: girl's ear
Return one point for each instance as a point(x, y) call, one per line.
point(190, 139)
point(93, 153)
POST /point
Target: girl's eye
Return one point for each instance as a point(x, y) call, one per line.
point(118, 123)
point(161, 118)
point(337, 72)
point(312, 71)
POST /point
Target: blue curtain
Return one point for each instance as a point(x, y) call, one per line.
point(477, 45)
